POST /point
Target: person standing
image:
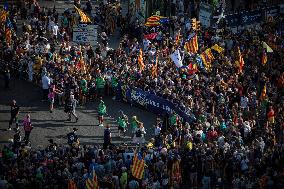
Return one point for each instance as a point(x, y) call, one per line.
point(100, 84)
point(27, 128)
point(134, 125)
point(107, 137)
point(45, 80)
point(73, 138)
point(14, 114)
point(71, 107)
point(101, 112)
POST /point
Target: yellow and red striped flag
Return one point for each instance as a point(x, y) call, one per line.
point(3, 16)
point(177, 40)
point(264, 58)
point(263, 93)
point(154, 70)
point(192, 45)
point(71, 184)
point(241, 61)
point(140, 60)
point(83, 16)
point(138, 167)
point(8, 35)
point(92, 182)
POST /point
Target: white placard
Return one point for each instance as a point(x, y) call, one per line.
point(85, 34)
point(205, 14)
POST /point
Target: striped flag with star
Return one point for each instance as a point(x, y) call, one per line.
point(241, 61)
point(3, 16)
point(83, 16)
point(138, 167)
point(140, 60)
point(192, 45)
point(92, 181)
point(154, 70)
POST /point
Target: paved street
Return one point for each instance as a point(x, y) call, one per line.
point(54, 125)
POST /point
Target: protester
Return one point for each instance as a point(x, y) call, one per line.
point(122, 123)
point(14, 114)
point(70, 107)
point(107, 137)
point(72, 138)
point(27, 128)
point(101, 111)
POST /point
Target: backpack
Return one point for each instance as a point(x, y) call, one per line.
point(138, 133)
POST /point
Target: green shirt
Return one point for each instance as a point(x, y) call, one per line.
point(100, 82)
point(84, 85)
point(121, 122)
point(114, 82)
point(173, 120)
point(102, 108)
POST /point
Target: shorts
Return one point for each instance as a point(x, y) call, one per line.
point(51, 100)
point(100, 115)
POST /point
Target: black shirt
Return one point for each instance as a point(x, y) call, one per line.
point(14, 109)
point(72, 137)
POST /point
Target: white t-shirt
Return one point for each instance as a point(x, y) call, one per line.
point(55, 30)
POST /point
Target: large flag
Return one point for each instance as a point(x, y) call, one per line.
point(217, 48)
point(92, 181)
point(176, 58)
point(241, 61)
point(138, 167)
point(71, 184)
point(207, 58)
point(140, 60)
point(268, 49)
point(192, 45)
point(83, 16)
point(264, 58)
point(154, 70)
point(263, 93)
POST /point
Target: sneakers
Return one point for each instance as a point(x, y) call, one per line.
point(101, 125)
point(9, 129)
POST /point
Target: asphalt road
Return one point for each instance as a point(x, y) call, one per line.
point(54, 125)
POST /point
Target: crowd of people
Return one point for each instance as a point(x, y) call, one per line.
point(235, 140)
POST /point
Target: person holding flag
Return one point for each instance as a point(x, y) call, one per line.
point(101, 112)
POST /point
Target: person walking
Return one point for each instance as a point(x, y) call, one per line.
point(101, 112)
point(45, 80)
point(70, 107)
point(14, 114)
point(107, 137)
point(27, 128)
point(139, 137)
point(134, 125)
point(122, 123)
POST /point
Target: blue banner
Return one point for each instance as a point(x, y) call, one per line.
point(155, 104)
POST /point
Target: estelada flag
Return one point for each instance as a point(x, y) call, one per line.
point(92, 181)
point(138, 167)
point(140, 60)
point(83, 16)
point(264, 58)
point(192, 45)
point(8, 35)
point(3, 16)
